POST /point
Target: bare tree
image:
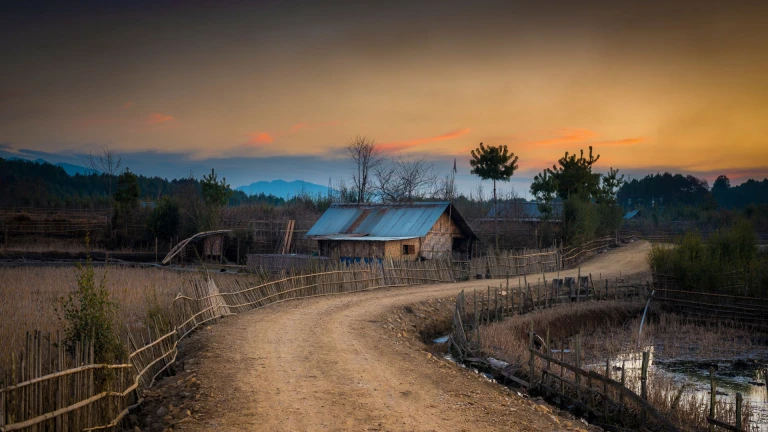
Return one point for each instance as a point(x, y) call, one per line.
point(106, 162)
point(445, 189)
point(366, 156)
point(404, 179)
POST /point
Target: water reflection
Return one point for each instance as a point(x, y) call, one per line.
point(744, 375)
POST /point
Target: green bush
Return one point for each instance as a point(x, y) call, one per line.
point(581, 221)
point(727, 262)
point(610, 218)
point(89, 314)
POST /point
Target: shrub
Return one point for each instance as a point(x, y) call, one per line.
point(89, 314)
point(728, 262)
point(581, 221)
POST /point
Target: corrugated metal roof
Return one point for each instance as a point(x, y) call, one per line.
point(631, 214)
point(382, 221)
point(364, 238)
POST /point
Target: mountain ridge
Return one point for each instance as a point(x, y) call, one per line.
point(283, 189)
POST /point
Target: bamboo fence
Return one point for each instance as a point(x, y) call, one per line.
point(554, 369)
point(55, 389)
point(572, 256)
point(598, 395)
point(514, 263)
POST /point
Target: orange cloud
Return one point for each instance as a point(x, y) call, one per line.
point(567, 136)
point(127, 105)
point(157, 118)
point(259, 138)
point(400, 145)
point(298, 126)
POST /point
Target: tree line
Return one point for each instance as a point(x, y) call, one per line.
point(576, 202)
point(32, 184)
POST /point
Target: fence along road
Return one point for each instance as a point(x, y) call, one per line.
point(328, 363)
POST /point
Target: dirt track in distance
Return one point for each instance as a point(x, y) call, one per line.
point(329, 363)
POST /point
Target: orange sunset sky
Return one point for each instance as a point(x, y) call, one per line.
point(273, 89)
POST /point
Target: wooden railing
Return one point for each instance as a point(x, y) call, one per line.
point(573, 255)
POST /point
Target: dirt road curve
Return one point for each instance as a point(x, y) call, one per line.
point(329, 364)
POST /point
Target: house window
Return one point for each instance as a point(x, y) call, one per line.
point(409, 249)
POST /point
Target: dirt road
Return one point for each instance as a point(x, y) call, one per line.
point(329, 363)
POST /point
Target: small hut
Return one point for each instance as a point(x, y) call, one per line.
point(412, 231)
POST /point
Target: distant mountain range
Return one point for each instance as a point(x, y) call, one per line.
point(278, 188)
point(284, 189)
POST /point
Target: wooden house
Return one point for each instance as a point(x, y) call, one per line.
point(414, 231)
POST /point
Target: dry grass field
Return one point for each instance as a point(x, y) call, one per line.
point(29, 297)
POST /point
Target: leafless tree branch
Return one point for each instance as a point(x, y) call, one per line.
point(107, 162)
point(367, 157)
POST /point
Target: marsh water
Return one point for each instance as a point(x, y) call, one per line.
point(745, 375)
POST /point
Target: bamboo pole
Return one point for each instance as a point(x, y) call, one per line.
point(532, 359)
point(578, 365)
point(644, 383)
point(712, 397)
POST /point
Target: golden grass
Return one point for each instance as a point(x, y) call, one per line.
point(508, 340)
point(29, 296)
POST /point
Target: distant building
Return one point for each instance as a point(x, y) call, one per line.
point(520, 225)
point(524, 211)
point(631, 214)
point(413, 231)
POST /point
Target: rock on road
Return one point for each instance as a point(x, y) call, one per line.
point(327, 363)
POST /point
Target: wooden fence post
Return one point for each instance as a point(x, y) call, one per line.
point(623, 384)
point(578, 365)
point(712, 398)
point(538, 296)
point(532, 359)
point(605, 386)
point(644, 383)
point(511, 303)
point(488, 307)
point(529, 295)
point(562, 371)
point(739, 401)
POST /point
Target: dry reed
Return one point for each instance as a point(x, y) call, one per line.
point(30, 295)
point(610, 330)
point(508, 339)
